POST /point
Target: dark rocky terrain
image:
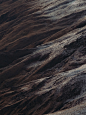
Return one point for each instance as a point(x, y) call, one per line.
point(42, 57)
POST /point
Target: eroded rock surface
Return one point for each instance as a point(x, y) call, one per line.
point(43, 57)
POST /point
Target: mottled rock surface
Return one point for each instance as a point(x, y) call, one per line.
point(42, 57)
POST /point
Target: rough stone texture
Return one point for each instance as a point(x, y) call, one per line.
point(42, 57)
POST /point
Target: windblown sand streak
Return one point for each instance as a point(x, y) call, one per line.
point(42, 57)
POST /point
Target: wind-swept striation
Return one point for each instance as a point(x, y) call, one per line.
point(42, 57)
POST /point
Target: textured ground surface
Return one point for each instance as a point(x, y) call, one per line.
point(42, 57)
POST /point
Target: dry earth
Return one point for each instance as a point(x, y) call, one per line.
point(42, 57)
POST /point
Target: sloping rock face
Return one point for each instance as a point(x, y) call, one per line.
point(42, 57)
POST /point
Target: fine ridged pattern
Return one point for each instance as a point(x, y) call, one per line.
point(42, 57)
